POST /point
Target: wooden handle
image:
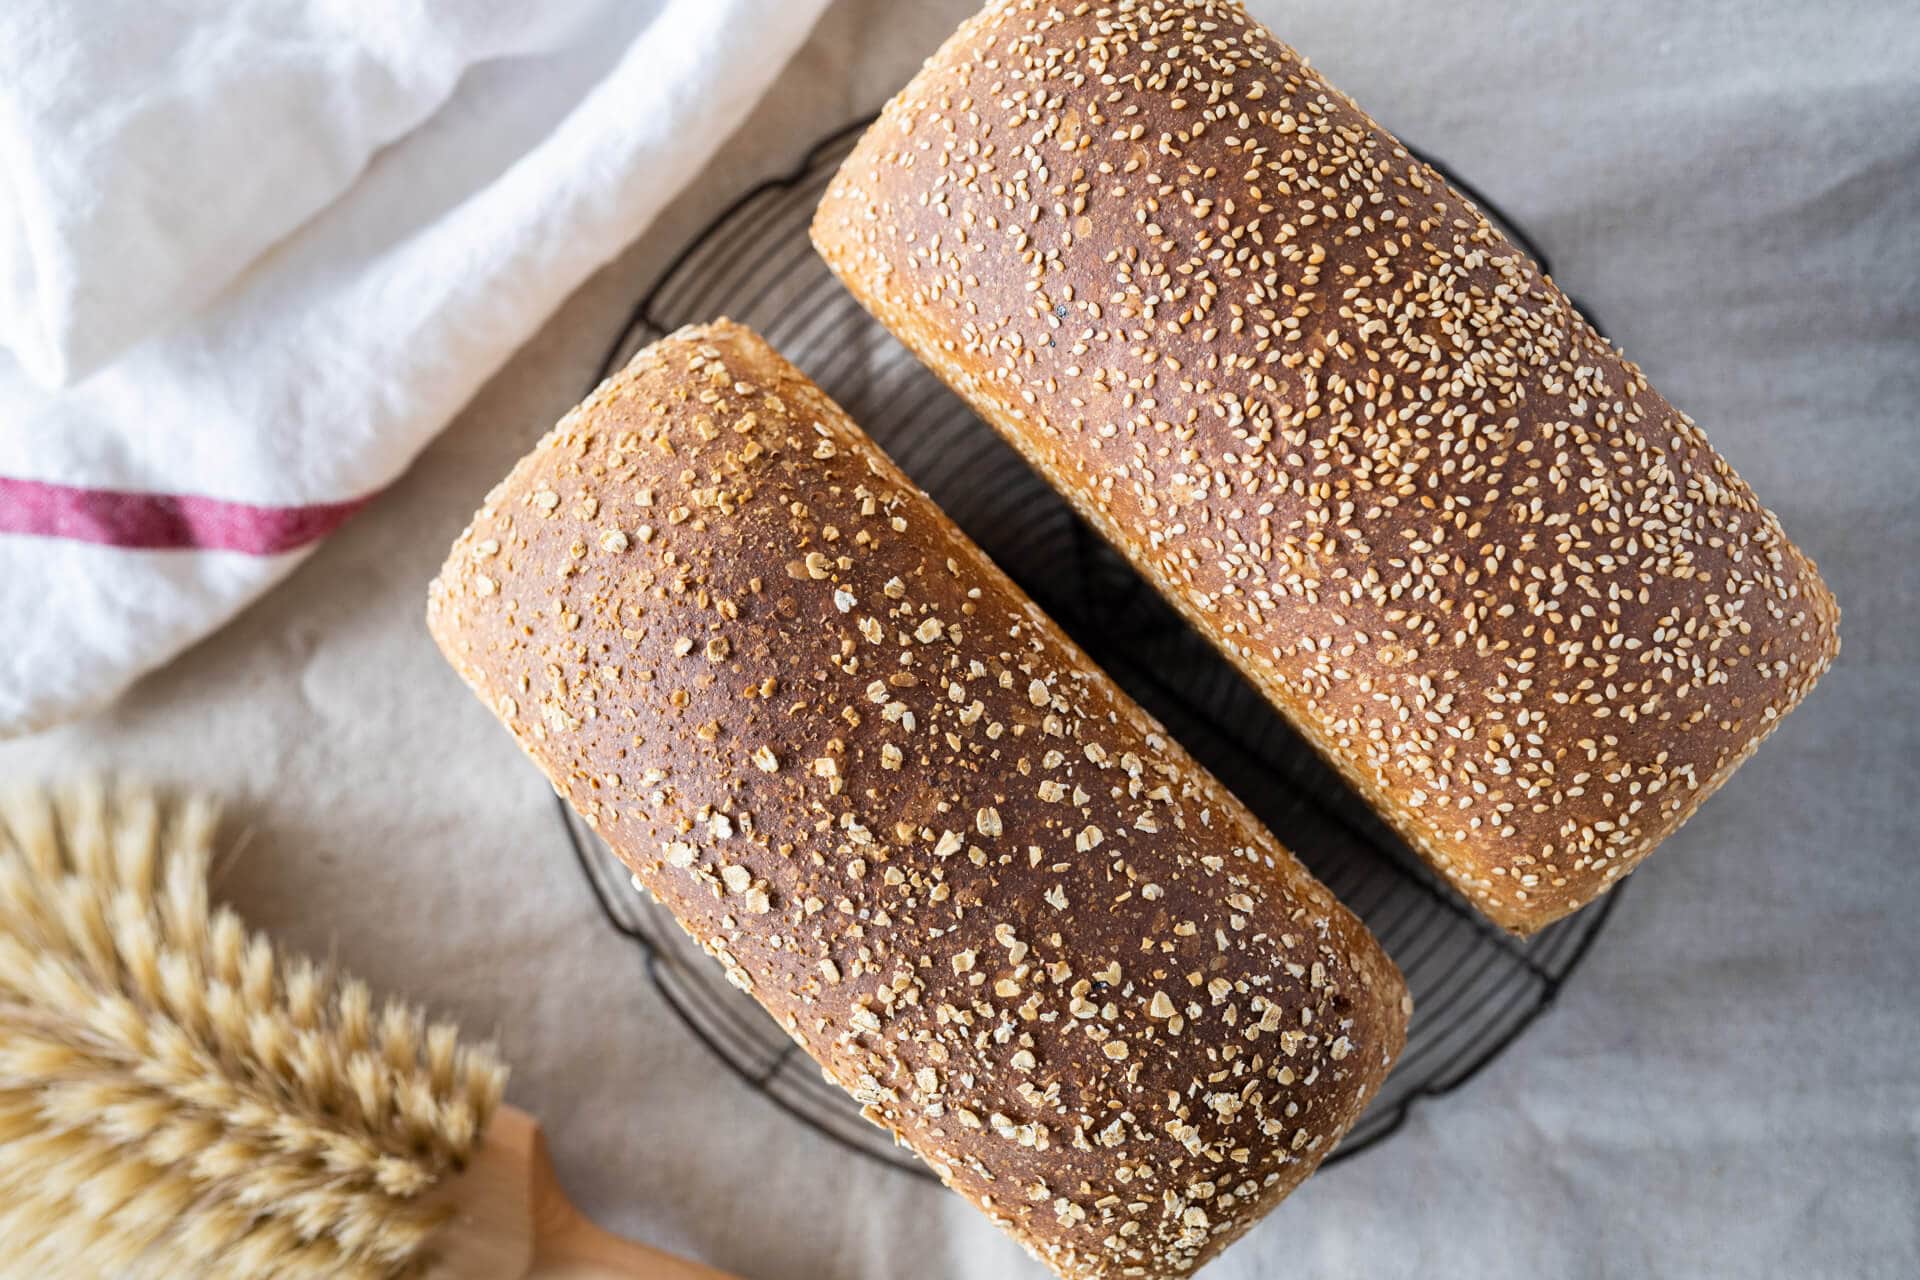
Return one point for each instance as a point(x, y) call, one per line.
point(578, 1250)
point(567, 1246)
point(511, 1219)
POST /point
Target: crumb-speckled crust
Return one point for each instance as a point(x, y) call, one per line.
point(1344, 425)
point(963, 869)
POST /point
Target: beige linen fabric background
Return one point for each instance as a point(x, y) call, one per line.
point(1731, 1085)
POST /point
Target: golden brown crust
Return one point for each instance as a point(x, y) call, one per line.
point(1351, 431)
point(962, 868)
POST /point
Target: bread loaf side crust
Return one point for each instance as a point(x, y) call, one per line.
point(1350, 430)
point(968, 874)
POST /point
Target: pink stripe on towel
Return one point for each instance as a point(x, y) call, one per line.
point(164, 521)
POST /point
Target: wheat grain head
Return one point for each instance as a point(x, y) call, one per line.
point(179, 1098)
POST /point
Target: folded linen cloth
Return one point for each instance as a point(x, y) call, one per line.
point(254, 254)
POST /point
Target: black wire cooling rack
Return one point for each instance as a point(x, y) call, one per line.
point(1475, 989)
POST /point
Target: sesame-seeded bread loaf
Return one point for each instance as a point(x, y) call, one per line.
point(967, 873)
point(1343, 424)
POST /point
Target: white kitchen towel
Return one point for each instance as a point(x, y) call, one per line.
point(255, 253)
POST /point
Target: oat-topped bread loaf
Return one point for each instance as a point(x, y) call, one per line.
point(1048, 951)
point(1351, 431)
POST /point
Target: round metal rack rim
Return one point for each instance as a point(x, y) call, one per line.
point(1477, 989)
